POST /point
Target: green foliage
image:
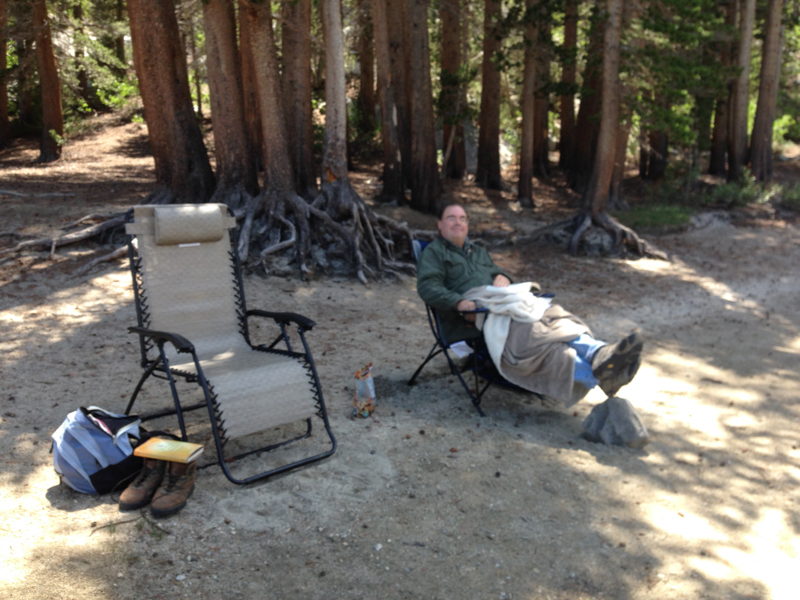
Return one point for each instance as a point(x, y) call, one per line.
point(655, 216)
point(790, 197)
point(734, 195)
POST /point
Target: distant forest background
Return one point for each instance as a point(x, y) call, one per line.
point(295, 91)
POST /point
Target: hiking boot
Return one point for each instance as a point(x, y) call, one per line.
point(140, 492)
point(616, 365)
point(175, 491)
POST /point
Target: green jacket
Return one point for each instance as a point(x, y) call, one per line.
point(444, 273)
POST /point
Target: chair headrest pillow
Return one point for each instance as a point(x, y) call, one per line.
point(188, 224)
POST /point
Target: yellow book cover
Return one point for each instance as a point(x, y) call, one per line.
point(171, 450)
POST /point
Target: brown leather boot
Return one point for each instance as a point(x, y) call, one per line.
point(140, 492)
point(175, 491)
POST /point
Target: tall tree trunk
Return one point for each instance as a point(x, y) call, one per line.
point(525, 185)
point(737, 131)
point(761, 139)
point(52, 116)
point(596, 194)
point(176, 142)
point(296, 56)
point(236, 172)
point(424, 171)
point(450, 103)
point(334, 152)
point(24, 85)
point(719, 139)
point(658, 142)
point(195, 66)
point(587, 124)
point(568, 72)
point(119, 41)
point(5, 131)
point(397, 17)
point(392, 173)
point(252, 109)
point(616, 199)
point(78, 39)
point(278, 195)
point(541, 103)
point(488, 172)
point(366, 61)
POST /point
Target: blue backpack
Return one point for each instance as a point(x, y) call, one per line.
point(92, 450)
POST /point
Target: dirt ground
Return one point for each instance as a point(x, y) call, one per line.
point(425, 499)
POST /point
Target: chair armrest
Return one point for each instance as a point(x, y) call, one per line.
point(181, 343)
point(283, 317)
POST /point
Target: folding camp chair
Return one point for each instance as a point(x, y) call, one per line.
point(193, 325)
point(480, 363)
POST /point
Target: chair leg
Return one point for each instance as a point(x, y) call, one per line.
point(476, 399)
point(219, 443)
point(431, 354)
point(145, 375)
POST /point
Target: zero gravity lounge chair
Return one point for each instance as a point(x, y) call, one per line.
point(193, 325)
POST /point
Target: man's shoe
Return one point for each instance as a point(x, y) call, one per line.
point(140, 492)
point(175, 491)
point(616, 365)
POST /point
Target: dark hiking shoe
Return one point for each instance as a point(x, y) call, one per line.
point(615, 365)
point(140, 492)
point(175, 491)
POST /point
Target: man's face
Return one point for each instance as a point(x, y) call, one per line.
point(454, 225)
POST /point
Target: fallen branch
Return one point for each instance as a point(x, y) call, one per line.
point(101, 259)
point(21, 195)
point(69, 238)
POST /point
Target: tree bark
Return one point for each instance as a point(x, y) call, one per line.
point(252, 111)
point(176, 142)
point(761, 139)
point(541, 103)
point(397, 17)
point(424, 171)
point(366, 61)
point(5, 130)
point(119, 41)
point(296, 56)
point(52, 116)
point(277, 164)
point(236, 172)
point(596, 194)
point(569, 70)
point(587, 123)
point(527, 100)
point(334, 150)
point(737, 131)
point(450, 103)
point(392, 170)
point(719, 140)
point(488, 171)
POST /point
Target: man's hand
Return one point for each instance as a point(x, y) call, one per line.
point(501, 281)
point(466, 305)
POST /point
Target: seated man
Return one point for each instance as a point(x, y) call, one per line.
point(546, 356)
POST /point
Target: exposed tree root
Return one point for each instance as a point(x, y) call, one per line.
point(68, 238)
point(580, 224)
point(337, 221)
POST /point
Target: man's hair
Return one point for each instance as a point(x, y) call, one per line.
point(446, 206)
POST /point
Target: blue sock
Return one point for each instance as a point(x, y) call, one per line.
point(586, 346)
point(583, 373)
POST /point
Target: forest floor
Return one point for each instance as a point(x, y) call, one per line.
point(425, 499)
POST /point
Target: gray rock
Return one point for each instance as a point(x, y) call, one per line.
point(615, 422)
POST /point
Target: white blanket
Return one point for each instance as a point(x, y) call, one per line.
point(514, 302)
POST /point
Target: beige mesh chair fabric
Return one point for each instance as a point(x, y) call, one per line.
point(189, 288)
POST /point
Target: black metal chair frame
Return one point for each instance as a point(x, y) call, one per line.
point(159, 367)
point(441, 346)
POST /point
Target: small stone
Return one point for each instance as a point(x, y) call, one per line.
point(378, 547)
point(181, 577)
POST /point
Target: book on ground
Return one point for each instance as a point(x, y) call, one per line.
point(171, 450)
